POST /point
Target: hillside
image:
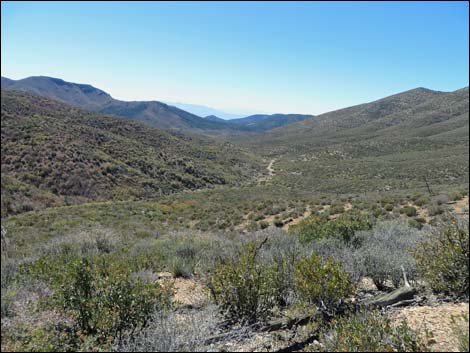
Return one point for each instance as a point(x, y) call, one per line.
point(56, 152)
point(402, 114)
point(153, 113)
point(265, 122)
point(389, 144)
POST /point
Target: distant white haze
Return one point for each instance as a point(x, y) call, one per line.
point(203, 111)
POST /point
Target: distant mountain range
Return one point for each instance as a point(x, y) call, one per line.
point(153, 113)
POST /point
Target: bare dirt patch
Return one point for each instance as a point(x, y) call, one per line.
point(437, 320)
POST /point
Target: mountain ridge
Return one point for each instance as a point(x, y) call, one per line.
point(154, 113)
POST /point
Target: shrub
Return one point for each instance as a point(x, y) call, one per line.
point(263, 224)
point(336, 209)
point(322, 282)
point(344, 227)
point(369, 331)
point(455, 195)
point(180, 268)
point(435, 209)
point(415, 223)
point(107, 302)
point(421, 200)
point(384, 250)
point(410, 211)
point(170, 332)
point(442, 258)
point(246, 289)
point(389, 207)
point(441, 199)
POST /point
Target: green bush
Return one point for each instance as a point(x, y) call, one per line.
point(105, 301)
point(369, 331)
point(246, 289)
point(344, 227)
point(321, 282)
point(415, 223)
point(442, 258)
point(410, 211)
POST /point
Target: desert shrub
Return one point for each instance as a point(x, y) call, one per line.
point(107, 302)
point(413, 222)
point(180, 268)
point(440, 199)
point(322, 282)
point(247, 289)
point(263, 224)
point(410, 211)
point(388, 200)
point(442, 258)
point(336, 209)
point(384, 250)
point(339, 251)
point(435, 209)
point(178, 253)
point(344, 227)
point(421, 200)
point(377, 253)
point(170, 332)
point(455, 195)
point(389, 207)
point(378, 211)
point(369, 331)
point(283, 252)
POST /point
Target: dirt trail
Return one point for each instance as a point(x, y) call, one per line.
point(297, 220)
point(270, 167)
point(270, 170)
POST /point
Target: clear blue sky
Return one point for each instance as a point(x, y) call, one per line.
point(241, 56)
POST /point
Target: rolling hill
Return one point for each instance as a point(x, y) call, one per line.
point(59, 153)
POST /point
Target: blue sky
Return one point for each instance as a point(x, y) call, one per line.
point(241, 56)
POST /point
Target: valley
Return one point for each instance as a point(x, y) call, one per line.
point(176, 212)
